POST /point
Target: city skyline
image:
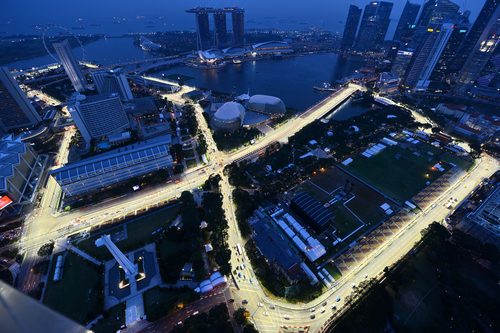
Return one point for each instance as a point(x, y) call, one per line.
point(318, 13)
point(223, 179)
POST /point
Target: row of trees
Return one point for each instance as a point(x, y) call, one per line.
point(216, 232)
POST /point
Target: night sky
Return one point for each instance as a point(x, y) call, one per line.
point(20, 16)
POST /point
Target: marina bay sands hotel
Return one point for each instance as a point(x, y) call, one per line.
point(220, 40)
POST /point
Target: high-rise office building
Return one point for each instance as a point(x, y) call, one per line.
point(401, 62)
point(16, 110)
point(98, 116)
point(427, 56)
point(482, 51)
point(475, 32)
point(112, 82)
point(438, 11)
point(71, 65)
point(374, 25)
point(351, 26)
point(238, 20)
point(406, 22)
point(441, 77)
point(220, 29)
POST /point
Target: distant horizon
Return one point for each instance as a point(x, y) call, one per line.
point(155, 15)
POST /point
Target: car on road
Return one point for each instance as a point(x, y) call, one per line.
point(231, 300)
point(287, 317)
point(313, 309)
point(272, 307)
point(260, 305)
point(312, 316)
point(334, 307)
point(338, 299)
point(244, 301)
point(323, 310)
point(325, 303)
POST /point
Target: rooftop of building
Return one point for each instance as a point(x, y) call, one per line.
point(107, 161)
point(230, 111)
point(10, 149)
point(272, 43)
point(274, 245)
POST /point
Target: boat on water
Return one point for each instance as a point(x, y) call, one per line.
point(237, 61)
point(325, 86)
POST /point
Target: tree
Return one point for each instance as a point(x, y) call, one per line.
point(46, 249)
point(240, 316)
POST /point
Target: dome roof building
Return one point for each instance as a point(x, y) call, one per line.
point(269, 105)
point(228, 117)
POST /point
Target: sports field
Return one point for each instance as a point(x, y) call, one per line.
point(397, 172)
point(355, 206)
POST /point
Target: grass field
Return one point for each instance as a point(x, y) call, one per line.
point(139, 232)
point(366, 202)
point(344, 221)
point(396, 172)
point(79, 294)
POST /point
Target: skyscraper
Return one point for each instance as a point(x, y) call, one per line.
point(98, 116)
point(438, 11)
point(441, 77)
point(374, 25)
point(202, 30)
point(406, 21)
point(220, 29)
point(482, 51)
point(71, 65)
point(401, 62)
point(112, 82)
point(351, 26)
point(203, 39)
point(16, 110)
point(238, 18)
point(427, 56)
point(475, 32)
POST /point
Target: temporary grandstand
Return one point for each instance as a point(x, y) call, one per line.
point(310, 246)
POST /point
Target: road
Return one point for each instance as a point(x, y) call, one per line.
point(166, 324)
point(267, 314)
point(43, 224)
point(268, 319)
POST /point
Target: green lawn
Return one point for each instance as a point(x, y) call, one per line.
point(344, 221)
point(79, 295)
point(139, 232)
point(160, 301)
point(396, 171)
point(334, 271)
point(113, 319)
point(454, 159)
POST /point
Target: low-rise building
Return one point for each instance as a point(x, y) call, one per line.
point(20, 168)
point(111, 168)
point(276, 249)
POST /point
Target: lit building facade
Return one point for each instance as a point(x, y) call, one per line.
point(71, 65)
point(16, 111)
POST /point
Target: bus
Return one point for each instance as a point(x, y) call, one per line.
point(238, 249)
